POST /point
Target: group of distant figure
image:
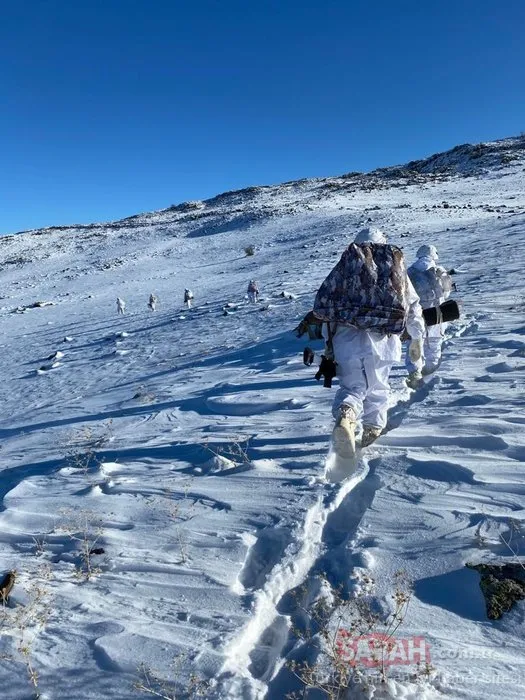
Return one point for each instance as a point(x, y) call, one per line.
point(153, 301)
point(253, 297)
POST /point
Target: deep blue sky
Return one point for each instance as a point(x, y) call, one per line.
point(111, 107)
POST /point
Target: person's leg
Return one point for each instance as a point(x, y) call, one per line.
point(352, 387)
point(412, 367)
point(348, 401)
point(347, 406)
point(432, 348)
point(375, 404)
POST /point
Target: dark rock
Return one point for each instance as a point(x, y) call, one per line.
point(6, 586)
point(502, 585)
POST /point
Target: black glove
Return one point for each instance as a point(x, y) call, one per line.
point(326, 370)
point(301, 329)
point(308, 356)
point(311, 325)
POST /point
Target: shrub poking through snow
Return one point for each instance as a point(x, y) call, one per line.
point(355, 646)
point(150, 682)
point(232, 453)
point(23, 622)
point(83, 447)
point(249, 250)
point(85, 530)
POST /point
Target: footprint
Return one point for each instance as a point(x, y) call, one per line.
point(500, 367)
point(441, 470)
point(472, 400)
point(230, 405)
point(269, 648)
point(263, 556)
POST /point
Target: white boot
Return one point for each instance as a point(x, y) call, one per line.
point(343, 434)
point(414, 379)
point(370, 433)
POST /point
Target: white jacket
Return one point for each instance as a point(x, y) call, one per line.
point(431, 282)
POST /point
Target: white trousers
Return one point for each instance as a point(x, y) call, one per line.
point(363, 385)
point(431, 356)
point(252, 297)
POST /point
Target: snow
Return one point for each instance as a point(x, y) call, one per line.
point(189, 447)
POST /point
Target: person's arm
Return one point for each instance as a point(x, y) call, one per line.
point(415, 321)
point(445, 281)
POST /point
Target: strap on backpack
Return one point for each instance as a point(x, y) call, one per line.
point(329, 349)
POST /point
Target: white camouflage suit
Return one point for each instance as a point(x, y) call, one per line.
point(364, 359)
point(432, 290)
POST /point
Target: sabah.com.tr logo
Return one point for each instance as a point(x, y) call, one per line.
point(380, 650)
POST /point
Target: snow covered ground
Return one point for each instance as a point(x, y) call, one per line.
point(162, 493)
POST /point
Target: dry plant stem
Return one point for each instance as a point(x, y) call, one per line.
point(236, 450)
point(87, 542)
point(149, 689)
point(40, 545)
point(83, 447)
point(182, 546)
point(356, 619)
point(25, 651)
point(85, 531)
point(181, 510)
point(195, 687)
point(34, 613)
point(514, 526)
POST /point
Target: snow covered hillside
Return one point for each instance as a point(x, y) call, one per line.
point(161, 483)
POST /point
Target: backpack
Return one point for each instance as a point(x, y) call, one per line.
point(427, 285)
point(366, 289)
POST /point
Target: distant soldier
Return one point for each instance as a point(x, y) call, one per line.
point(152, 303)
point(121, 306)
point(188, 297)
point(253, 291)
point(433, 285)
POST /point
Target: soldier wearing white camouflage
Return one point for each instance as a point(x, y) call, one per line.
point(253, 292)
point(152, 303)
point(121, 306)
point(433, 286)
point(364, 355)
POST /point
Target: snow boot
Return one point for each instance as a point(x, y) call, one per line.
point(370, 434)
point(414, 379)
point(343, 434)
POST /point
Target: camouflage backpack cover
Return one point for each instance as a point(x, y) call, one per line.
point(366, 289)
